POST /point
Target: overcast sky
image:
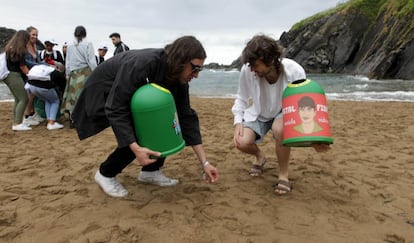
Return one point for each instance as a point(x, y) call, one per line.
point(223, 26)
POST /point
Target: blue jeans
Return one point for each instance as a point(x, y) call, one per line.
point(50, 97)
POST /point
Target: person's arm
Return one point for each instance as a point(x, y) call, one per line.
point(241, 102)
point(190, 128)
point(24, 69)
point(238, 133)
point(188, 118)
point(59, 57)
point(68, 63)
point(130, 76)
point(29, 60)
point(242, 96)
point(143, 155)
point(91, 56)
point(118, 107)
point(210, 171)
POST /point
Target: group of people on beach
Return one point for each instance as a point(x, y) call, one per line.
point(45, 82)
point(99, 96)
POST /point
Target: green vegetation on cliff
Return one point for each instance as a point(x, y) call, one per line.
point(368, 8)
point(374, 38)
point(403, 7)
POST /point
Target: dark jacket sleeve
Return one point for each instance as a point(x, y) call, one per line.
point(59, 57)
point(188, 117)
point(129, 78)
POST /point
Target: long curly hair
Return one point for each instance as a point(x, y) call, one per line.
point(180, 52)
point(16, 47)
point(264, 48)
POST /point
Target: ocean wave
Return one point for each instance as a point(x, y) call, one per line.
point(223, 84)
point(406, 96)
point(6, 100)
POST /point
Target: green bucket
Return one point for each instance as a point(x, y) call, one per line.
point(305, 115)
point(155, 120)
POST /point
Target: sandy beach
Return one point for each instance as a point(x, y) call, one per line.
point(360, 191)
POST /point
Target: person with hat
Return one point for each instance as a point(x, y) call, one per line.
point(102, 50)
point(54, 57)
point(50, 55)
point(64, 50)
point(119, 45)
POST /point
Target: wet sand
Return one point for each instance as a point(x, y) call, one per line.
point(360, 191)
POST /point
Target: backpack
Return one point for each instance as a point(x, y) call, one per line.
point(4, 71)
point(43, 52)
point(40, 72)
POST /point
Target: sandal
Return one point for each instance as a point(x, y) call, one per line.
point(257, 170)
point(283, 187)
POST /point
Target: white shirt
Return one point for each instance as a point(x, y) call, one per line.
point(266, 98)
point(80, 55)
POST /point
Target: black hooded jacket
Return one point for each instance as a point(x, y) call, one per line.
point(105, 99)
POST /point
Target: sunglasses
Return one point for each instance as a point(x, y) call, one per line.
point(195, 68)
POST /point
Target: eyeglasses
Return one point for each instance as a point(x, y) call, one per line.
point(195, 68)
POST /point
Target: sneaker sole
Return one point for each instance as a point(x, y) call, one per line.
point(109, 194)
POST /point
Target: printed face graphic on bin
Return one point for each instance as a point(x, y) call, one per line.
point(307, 114)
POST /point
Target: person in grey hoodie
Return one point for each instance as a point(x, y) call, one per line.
point(80, 62)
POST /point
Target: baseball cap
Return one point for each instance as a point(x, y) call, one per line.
point(102, 47)
point(51, 41)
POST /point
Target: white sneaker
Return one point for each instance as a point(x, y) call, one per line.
point(54, 126)
point(110, 185)
point(156, 178)
point(21, 127)
point(37, 117)
point(30, 121)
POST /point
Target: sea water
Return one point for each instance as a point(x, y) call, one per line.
point(223, 84)
point(219, 84)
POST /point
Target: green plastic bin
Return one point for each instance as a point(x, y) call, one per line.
point(155, 120)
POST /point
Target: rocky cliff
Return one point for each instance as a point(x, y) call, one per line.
point(374, 38)
point(5, 35)
point(367, 37)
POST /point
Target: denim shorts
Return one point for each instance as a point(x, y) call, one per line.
point(261, 127)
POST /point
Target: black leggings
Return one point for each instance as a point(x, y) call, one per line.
point(121, 158)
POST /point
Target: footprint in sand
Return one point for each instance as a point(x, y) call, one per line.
point(192, 189)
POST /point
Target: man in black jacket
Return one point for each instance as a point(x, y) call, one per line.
point(105, 101)
point(119, 45)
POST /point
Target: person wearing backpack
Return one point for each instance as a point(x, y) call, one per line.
point(50, 55)
point(15, 56)
point(80, 62)
point(53, 57)
point(102, 50)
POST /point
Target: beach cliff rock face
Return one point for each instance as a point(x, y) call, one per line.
point(374, 38)
point(5, 35)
